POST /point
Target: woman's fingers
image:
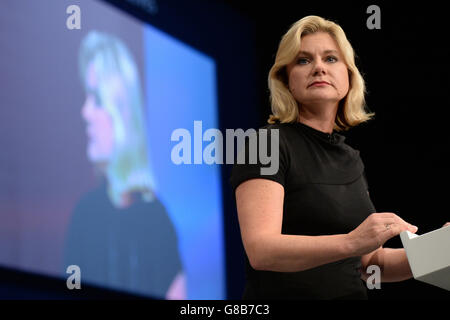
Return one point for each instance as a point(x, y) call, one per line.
point(389, 218)
point(375, 230)
point(392, 225)
point(447, 224)
point(395, 230)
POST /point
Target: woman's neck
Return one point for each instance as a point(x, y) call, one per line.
point(322, 119)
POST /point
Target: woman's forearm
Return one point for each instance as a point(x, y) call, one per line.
point(291, 253)
point(393, 264)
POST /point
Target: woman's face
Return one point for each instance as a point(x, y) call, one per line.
point(318, 74)
point(99, 124)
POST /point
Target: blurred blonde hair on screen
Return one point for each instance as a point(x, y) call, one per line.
point(119, 92)
point(352, 109)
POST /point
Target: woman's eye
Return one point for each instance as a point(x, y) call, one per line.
point(302, 61)
point(331, 59)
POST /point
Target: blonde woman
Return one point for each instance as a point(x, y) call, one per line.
point(120, 234)
point(310, 230)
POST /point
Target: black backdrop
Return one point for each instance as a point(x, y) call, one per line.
point(406, 67)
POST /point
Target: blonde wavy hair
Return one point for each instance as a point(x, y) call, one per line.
point(352, 109)
point(129, 169)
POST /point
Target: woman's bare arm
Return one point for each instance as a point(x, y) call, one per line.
point(393, 264)
point(260, 210)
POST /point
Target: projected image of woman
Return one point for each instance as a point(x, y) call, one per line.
point(120, 234)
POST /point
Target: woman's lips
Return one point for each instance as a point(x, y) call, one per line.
point(319, 84)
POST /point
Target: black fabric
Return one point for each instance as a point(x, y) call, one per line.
point(133, 249)
point(325, 194)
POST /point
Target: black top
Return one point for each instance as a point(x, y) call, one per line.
point(133, 249)
point(325, 194)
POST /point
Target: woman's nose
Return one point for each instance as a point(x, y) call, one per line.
point(319, 68)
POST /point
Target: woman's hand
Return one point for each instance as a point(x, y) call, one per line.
point(373, 232)
point(446, 225)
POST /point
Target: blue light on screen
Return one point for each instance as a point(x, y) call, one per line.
point(180, 88)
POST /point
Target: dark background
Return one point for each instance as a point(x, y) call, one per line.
point(406, 68)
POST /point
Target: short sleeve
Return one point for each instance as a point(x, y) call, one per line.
point(265, 157)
